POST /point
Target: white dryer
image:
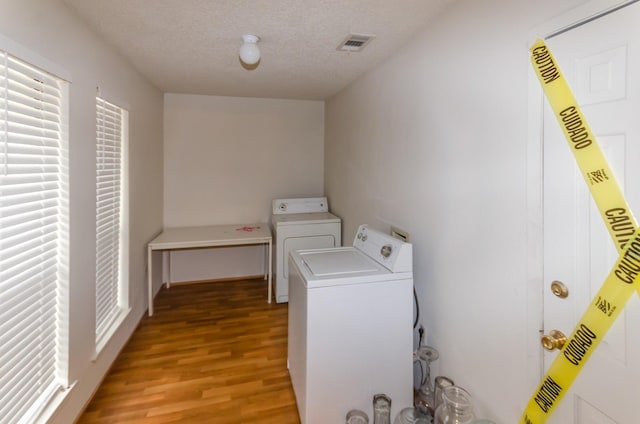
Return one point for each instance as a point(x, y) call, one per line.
point(303, 223)
point(351, 326)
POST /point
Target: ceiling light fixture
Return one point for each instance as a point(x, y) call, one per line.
point(249, 51)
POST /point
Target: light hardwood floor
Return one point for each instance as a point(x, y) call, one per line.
point(211, 353)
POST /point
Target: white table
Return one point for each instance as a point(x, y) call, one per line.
point(210, 236)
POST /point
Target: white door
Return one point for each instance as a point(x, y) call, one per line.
point(601, 61)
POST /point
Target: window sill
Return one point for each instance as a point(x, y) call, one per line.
point(102, 342)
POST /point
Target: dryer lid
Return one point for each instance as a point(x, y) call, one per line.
point(305, 218)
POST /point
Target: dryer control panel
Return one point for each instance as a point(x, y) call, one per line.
point(392, 253)
point(301, 205)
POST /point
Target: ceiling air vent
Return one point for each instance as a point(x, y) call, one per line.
point(355, 42)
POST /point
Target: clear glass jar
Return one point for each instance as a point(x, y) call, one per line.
point(457, 407)
point(381, 409)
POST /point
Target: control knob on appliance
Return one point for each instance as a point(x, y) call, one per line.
point(386, 250)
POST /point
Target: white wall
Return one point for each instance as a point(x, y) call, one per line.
point(435, 141)
point(225, 160)
point(50, 30)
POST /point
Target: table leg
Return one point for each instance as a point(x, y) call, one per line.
point(270, 269)
point(266, 258)
point(168, 268)
point(150, 279)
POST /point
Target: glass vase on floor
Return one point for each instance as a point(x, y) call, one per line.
point(355, 416)
point(440, 383)
point(424, 400)
point(413, 415)
point(381, 409)
point(457, 407)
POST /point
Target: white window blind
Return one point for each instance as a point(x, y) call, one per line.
point(33, 239)
point(111, 126)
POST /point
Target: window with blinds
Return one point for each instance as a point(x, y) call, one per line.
point(110, 218)
point(33, 239)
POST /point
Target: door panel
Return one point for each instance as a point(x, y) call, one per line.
point(600, 77)
point(602, 252)
point(589, 414)
point(600, 60)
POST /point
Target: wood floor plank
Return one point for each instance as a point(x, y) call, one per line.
point(211, 353)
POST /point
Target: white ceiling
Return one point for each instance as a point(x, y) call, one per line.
point(191, 46)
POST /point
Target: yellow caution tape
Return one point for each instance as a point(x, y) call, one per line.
point(591, 161)
point(622, 280)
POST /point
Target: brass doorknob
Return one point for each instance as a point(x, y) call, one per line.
point(554, 340)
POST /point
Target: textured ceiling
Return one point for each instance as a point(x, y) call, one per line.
point(191, 46)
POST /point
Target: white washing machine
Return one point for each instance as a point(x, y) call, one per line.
point(350, 326)
point(303, 223)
